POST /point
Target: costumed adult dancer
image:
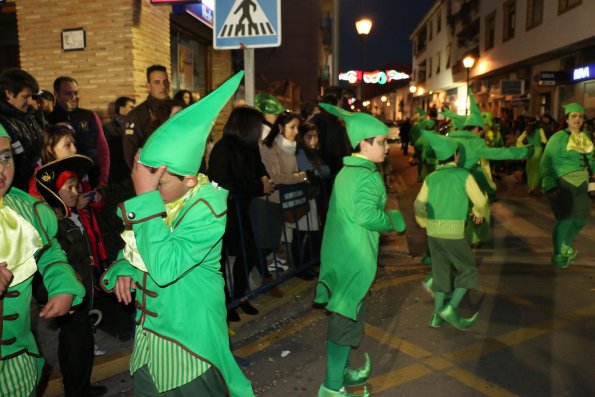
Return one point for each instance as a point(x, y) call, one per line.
point(535, 136)
point(566, 166)
point(349, 254)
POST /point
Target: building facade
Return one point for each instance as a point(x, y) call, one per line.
point(531, 56)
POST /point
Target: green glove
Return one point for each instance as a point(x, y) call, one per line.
point(398, 220)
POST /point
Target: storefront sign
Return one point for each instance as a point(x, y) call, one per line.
point(375, 77)
point(201, 12)
point(548, 78)
point(585, 72)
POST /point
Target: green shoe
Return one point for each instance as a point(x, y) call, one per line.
point(426, 259)
point(561, 261)
point(568, 251)
point(357, 377)
point(325, 392)
point(435, 320)
point(427, 284)
point(451, 316)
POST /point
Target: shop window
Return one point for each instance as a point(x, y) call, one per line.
point(509, 20)
point(490, 30)
point(565, 5)
point(189, 64)
point(534, 13)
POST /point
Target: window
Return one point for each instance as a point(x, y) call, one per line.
point(438, 22)
point(534, 13)
point(447, 55)
point(509, 20)
point(490, 32)
point(429, 67)
point(437, 60)
point(430, 30)
point(565, 5)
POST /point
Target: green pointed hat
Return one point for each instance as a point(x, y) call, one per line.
point(420, 111)
point(443, 147)
point(3, 132)
point(474, 118)
point(573, 107)
point(457, 119)
point(180, 142)
point(359, 125)
point(268, 104)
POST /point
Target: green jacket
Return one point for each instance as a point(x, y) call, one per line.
point(181, 296)
point(356, 216)
point(557, 161)
point(58, 277)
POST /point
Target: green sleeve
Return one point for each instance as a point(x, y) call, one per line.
point(368, 211)
point(505, 153)
point(420, 206)
point(119, 268)
point(169, 254)
point(546, 166)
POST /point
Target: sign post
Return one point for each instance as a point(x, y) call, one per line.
point(247, 24)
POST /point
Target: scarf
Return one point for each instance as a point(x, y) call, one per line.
point(580, 143)
point(172, 209)
point(18, 245)
point(285, 144)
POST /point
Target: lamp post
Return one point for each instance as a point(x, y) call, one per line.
point(468, 63)
point(363, 27)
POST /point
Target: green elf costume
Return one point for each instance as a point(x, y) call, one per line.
point(172, 252)
point(474, 156)
point(566, 165)
point(356, 216)
point(27, 244)
point(456, 120)
point(442, 207)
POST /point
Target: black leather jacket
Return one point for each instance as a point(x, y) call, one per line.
point(25, 130)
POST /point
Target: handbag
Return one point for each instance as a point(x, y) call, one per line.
point(292, 215)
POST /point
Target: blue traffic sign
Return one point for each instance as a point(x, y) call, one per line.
point(251, 23)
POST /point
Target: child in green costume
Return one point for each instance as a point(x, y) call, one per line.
point(566, 165)
point(441, 207)
point(173, 236)
point(27, 244)
point(355, 219)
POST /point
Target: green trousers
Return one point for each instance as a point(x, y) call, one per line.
point(208, 384)
point(572, 208)
point(448, 255)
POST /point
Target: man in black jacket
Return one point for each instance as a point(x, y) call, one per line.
point(22, 122)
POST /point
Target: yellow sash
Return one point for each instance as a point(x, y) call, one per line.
point(579, 143)
point(130, 250)
point(19, 241)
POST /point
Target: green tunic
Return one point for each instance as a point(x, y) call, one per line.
point(356, 216)
point(180, 298)
point(58, 276)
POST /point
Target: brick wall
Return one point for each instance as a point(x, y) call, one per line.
point(221, 71)
point(123, 38)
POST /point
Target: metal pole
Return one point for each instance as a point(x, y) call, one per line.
point(363, 66)
point(249, 75)
point(335, 41)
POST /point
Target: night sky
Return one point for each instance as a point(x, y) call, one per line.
point(388, 42)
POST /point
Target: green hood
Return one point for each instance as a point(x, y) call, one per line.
point(359, 125)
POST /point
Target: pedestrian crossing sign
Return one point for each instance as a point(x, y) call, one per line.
point(249, 23)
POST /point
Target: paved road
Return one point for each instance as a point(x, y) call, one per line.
point(534, 336)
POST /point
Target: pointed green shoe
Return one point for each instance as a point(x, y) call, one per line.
point(561, 261)
point(435, 320)
point(427, 284)
point(325, 392)
point(451, 316)
point(359, 376)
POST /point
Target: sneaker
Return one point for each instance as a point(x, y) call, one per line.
point(278, 264)
point(97, 351)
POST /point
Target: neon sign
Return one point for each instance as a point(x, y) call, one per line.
point(582, 73)
point(375, 77)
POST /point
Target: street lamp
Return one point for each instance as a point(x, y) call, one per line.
point(468, 63)
point(363, 27)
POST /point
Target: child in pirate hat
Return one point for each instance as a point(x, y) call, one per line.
point(441, 208)
point(349, 254)
point(175, 226)
point(27, 245)
point(58, 184)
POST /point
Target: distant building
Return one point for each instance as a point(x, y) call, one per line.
point(531, 56)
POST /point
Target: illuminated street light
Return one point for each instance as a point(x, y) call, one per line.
point(363, 27)
point(412, 89)
point(468, 63)
point(383, 98)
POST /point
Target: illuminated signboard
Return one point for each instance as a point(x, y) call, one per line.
point(585, 72)
point(175, 1)
point(375, 77)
